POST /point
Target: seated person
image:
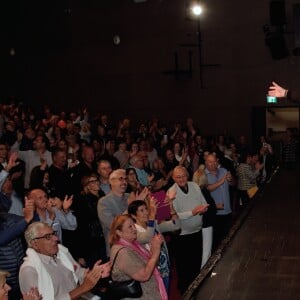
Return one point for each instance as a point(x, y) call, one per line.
point(49, 264)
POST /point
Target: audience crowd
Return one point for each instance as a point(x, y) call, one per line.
point(76, 190)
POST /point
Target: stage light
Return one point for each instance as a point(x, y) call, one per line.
point(196, 9)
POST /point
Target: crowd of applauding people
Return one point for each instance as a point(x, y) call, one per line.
point(78, 192)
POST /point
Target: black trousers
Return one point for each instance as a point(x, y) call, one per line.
point(188, 258)
point(243, 195)
point(222, 226)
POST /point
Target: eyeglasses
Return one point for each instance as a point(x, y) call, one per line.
point(47, 236)
point(120, 178)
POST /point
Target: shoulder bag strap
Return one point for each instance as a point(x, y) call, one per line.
point(112, 266)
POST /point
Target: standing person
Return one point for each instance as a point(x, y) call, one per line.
point(104, 169)
point(133, 185)
point(143, 176)
point(209, 217)
point(110, 149)
point(57, 218)
point(11, 183)
point(122, 154)
point(115, 202)
point(219, 180)
point(147, 225)
point(51, 267)
point(86, 166)
point(189, 204)
point(89, 234)
point(60, 177)
point(134, 261)
point(33, 158)
point(12, 252)
point(247, 173)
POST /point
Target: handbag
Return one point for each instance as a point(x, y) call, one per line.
point(252, 191)
point(123, 289)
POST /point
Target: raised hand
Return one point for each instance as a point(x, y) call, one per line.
point(28, 210)
point(12, 162)
point(67, 202)
point(50, 210)
point(143, 194)
point(276, 90)
point(150, 177)
point(152, 207)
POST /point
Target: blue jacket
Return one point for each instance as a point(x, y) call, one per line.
point(11, 246)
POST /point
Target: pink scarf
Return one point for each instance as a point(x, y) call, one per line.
point(145, 254)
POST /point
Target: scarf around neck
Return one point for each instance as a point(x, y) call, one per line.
point(145, 254)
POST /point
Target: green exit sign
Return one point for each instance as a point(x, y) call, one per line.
point(271, 99)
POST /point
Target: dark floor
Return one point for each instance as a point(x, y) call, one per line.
point(262, 259)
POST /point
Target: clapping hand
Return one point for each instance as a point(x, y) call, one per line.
point(156, 243)
point(143, 194)
point(91, 277)
point(200, 209)
point(171, 195)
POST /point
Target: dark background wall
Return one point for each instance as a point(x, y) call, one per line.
point(65, 56)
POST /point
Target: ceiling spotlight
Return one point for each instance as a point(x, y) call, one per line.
point(196, 10)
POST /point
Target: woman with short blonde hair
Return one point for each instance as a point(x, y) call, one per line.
point(133, 261)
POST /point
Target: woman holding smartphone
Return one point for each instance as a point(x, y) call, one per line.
point(147, 226)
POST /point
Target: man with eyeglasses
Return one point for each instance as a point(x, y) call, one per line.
point(50, 267)
point(116, 202)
